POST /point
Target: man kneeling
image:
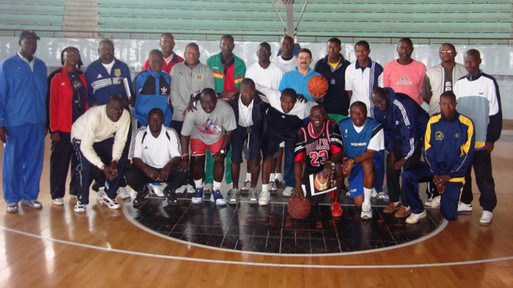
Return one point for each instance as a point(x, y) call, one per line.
point(318, 149)
point(448, 146)
point(363, 148)
point(156, 157)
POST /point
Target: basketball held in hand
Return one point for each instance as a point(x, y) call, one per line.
point(299, 207)
point(317, 86)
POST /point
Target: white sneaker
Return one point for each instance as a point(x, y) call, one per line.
point(190, 189)
point(58, 201)
point(414, 218)
point(79, 207)
point(435, 202)
point(264, 198)
point(287, 192)
point(463, 207)
point(122, 193)
point(383, 196)
point(486, 218)
point(246, 186)
point(233, 196)
point(104, 199)
point(252, 196)
point(366, 211)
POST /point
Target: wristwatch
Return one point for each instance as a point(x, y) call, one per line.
point(222, 151)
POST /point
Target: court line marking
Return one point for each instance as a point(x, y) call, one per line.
point(226, 262)
point(128, 215)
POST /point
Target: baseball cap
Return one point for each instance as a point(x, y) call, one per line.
point(28, 34)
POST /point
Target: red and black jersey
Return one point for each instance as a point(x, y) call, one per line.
point(316, 150)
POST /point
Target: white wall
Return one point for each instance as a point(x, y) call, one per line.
point(497, 60)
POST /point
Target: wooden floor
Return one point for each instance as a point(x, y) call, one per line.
point(55, 247)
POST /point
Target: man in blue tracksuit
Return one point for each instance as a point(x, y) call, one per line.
point(449, 147)
point(404, 122)
point(105, 76)
point(23, 87)
point(152, 88)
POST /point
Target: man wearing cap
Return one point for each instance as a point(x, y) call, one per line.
point(23, 87)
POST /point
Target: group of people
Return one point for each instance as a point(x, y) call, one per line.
point(368, 124)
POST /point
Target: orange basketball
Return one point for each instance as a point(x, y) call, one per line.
point(299, 207)
point(317, 86)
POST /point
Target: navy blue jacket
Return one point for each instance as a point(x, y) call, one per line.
point(260, 106)
point(404, 120)
point(336, 100)
point(449, 145)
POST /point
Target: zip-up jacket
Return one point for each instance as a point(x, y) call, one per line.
point(336, 100)
point(449, 145)
point(61, 100)
point(101, 85)
point(22, 92)
point(478, 97)
point(258, 114)
point(404, 120)
point(215, 63)
point(153, 90)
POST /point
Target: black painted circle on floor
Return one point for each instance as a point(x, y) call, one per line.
point(269, 229)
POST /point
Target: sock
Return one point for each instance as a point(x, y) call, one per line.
point(198, 183)
point(217, 186)
point(273, 175)
point(265, 187)
point(248, 176)
point(367, 195)
point(278, 177)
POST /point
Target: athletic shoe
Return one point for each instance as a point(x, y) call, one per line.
point(391, 208)
point(273, 186)
point(264, 198)
point(122, 193)
point(190, 189)
point(104, 199)
point(12, 207)
point(427, 203)
point(171, 196)
point(434, 203)
point(366, 211)
point(336, 210)
point(403, 212)
point(252, 196)
point(464, 207)
point(207, 187)
point(197, 198)
point(383, 196)
point(287, 192)
point(32, 204)
point(414, 218)
point(58, 201)
point(486, 217)
point(217, 197)
point(246, 186)
point(79, 207)
point(233, 196)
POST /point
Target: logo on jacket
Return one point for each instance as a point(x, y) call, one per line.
point(439, 135)
point(163, 91)
point(199, 77)
point(117, 72)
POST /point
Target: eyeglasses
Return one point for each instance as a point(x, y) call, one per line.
point(446, 51)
